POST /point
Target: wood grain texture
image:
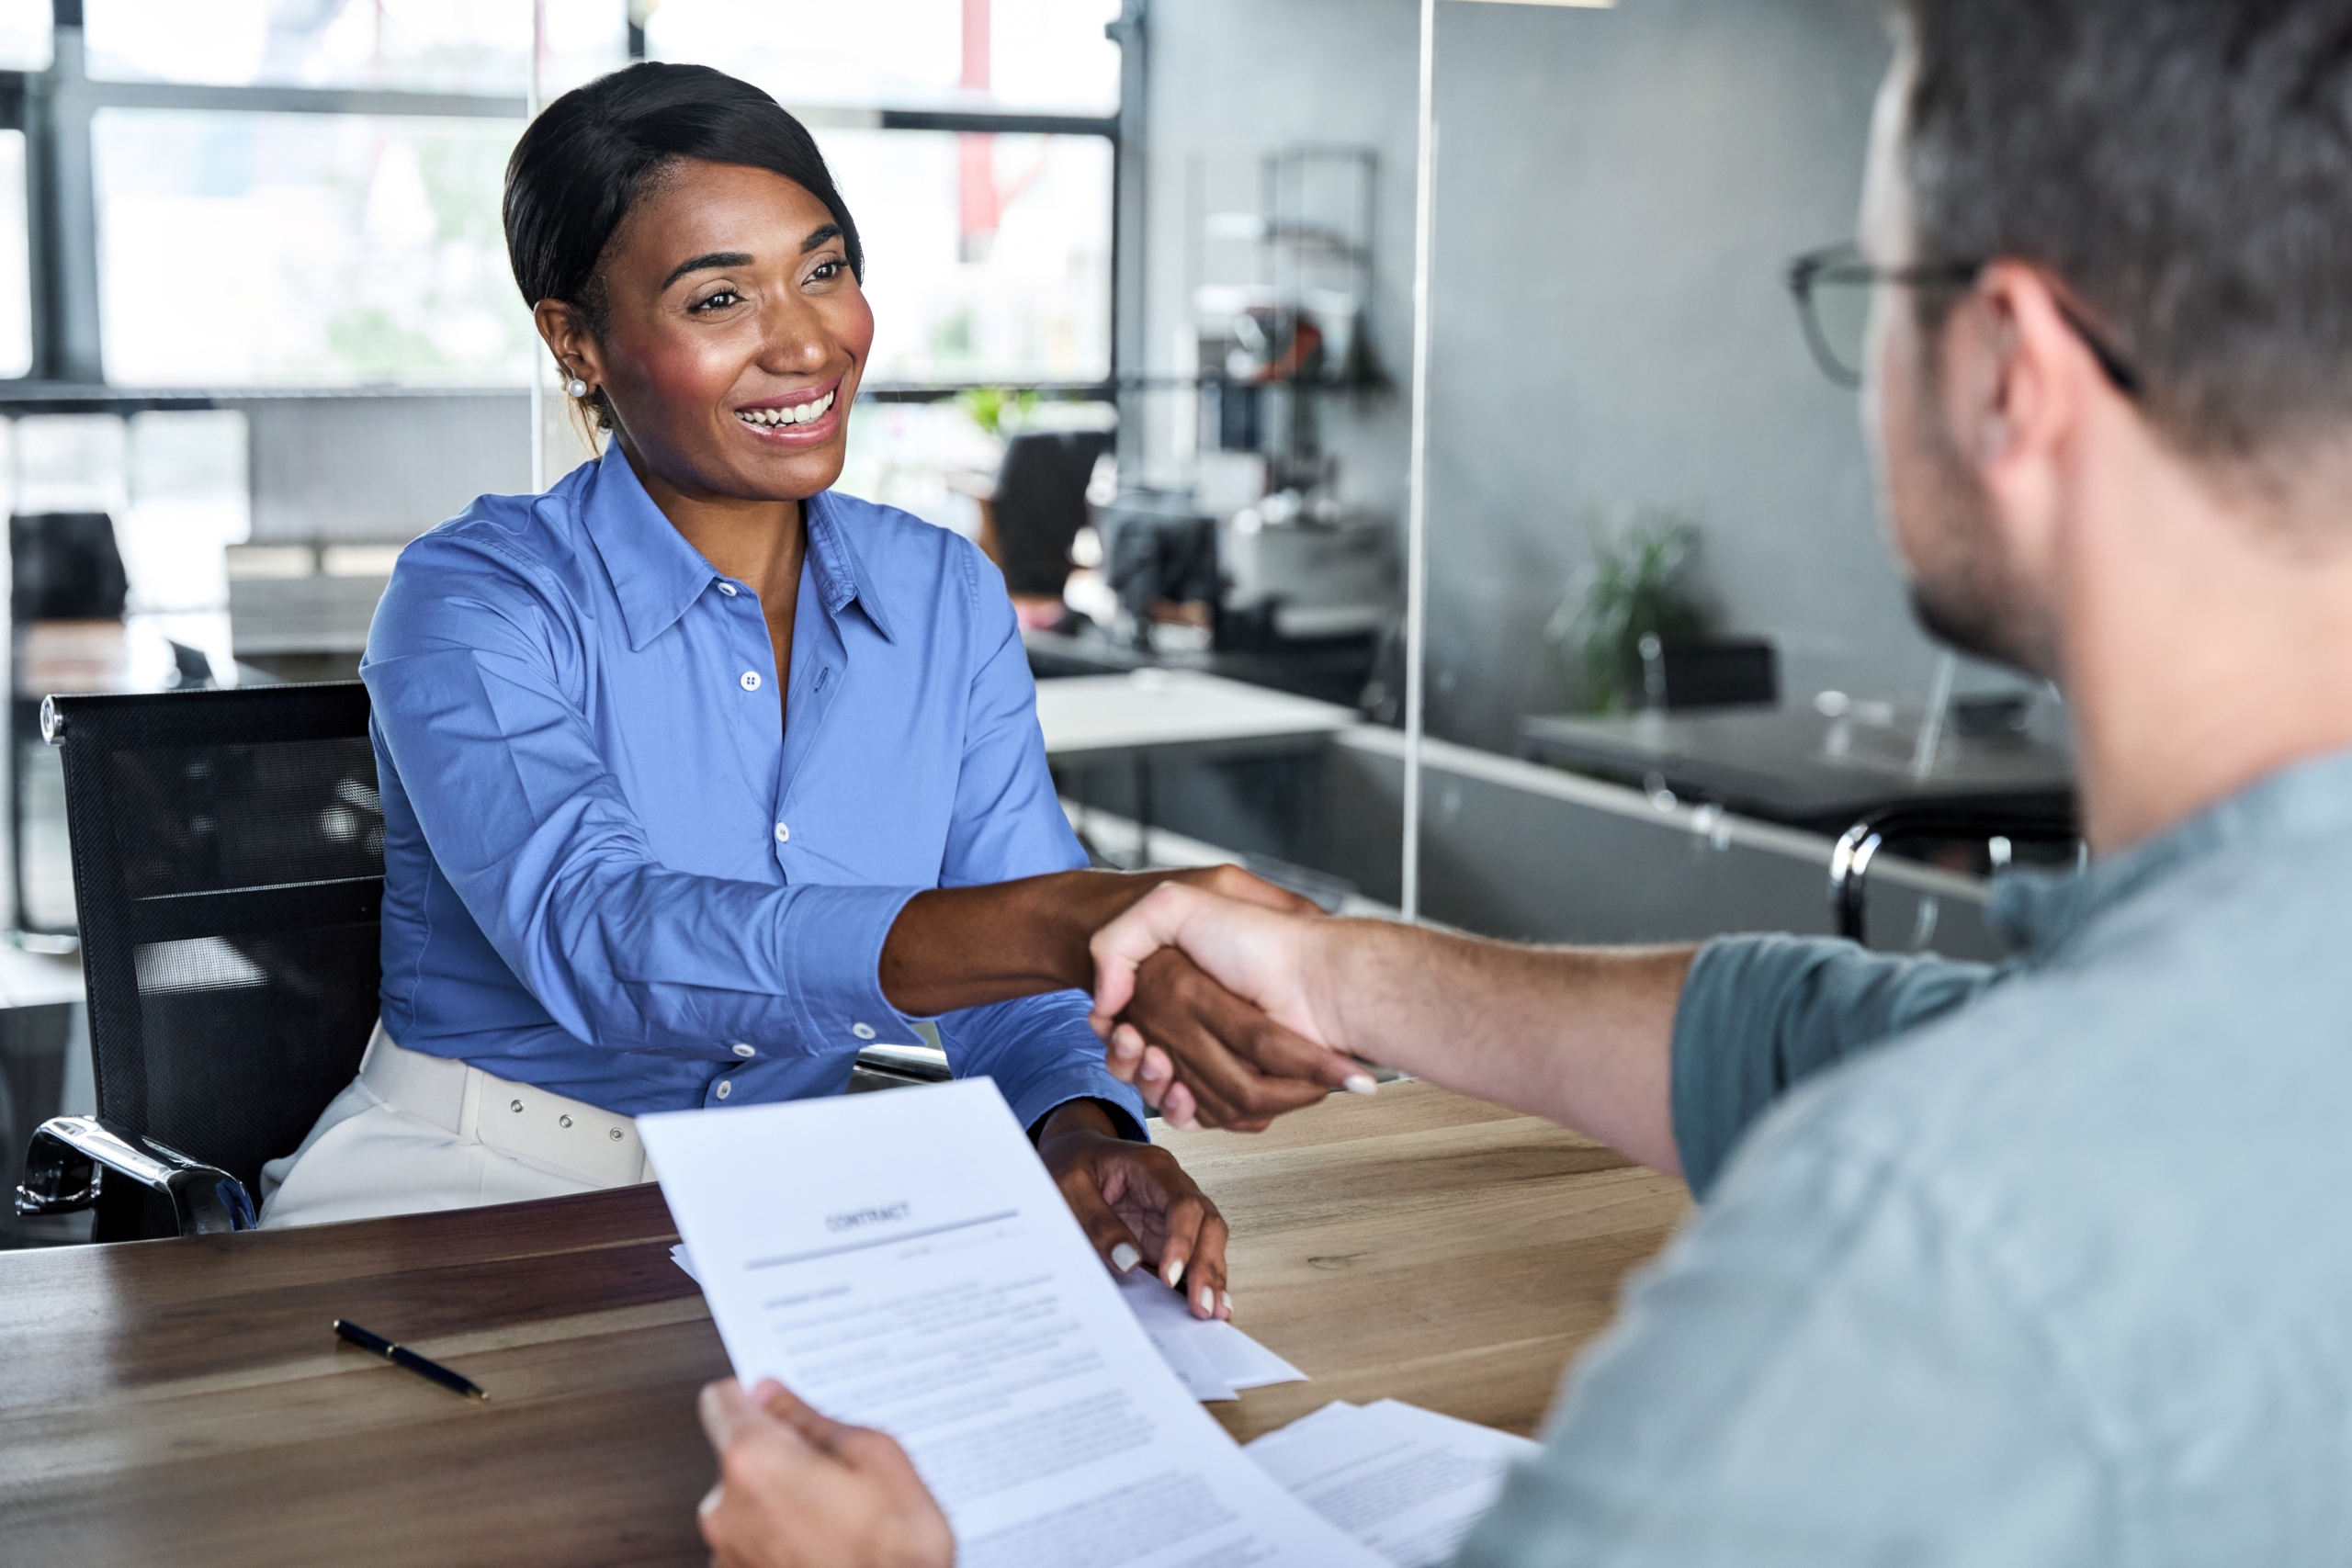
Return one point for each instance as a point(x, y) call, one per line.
point(184, 1402)
point(1423, 1247)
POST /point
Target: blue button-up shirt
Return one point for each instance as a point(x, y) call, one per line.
point(612, 870)
point(2040, 1264)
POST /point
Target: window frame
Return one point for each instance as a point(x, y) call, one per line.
point(55, 109)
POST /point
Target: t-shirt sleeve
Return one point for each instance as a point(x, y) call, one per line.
point(1760, 1014)
point(1824, 1369)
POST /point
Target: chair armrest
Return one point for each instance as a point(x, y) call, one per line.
point(69, 1154)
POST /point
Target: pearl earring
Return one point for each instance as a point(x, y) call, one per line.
point(576, 386)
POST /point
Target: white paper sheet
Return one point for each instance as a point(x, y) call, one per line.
point(901, 1260)
point(1213, 1359)
point(1407, 1483)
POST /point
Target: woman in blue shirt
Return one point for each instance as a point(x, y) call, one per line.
point(696, 773)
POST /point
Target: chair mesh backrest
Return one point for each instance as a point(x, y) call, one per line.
point(229, 868)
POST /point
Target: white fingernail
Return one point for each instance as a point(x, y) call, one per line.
point(1361, 1083)
point(1225, 1300)
point(1175, 1274)
point(1206, 1299)
point(1123, 1258)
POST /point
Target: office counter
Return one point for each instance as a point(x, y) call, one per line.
point(1097, 715)
point(184, 1403)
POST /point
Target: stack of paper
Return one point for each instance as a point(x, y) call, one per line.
point(1214, 1360)
point(1407, 1483)
point(902, 1261)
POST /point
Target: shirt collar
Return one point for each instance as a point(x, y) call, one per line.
point(841, 579)
point(2039, 911)
point(657, 576)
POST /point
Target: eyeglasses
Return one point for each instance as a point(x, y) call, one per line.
point(1833, 288)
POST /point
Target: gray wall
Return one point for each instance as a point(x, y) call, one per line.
point(1618, 194)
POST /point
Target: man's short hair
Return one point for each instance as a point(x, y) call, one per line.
point(2183, 167)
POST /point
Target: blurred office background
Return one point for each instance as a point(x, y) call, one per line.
point(1143, 275)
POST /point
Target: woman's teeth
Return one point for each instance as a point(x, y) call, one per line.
point(795, 414)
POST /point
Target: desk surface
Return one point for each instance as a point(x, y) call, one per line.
point(183, 1403)
point(1795, 767)
point(1082, 714)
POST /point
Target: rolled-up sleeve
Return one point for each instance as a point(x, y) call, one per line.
point(1008, 824)
point(478, 701)
point(1760, 1014)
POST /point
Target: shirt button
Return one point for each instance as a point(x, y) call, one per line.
point(745, 1051)
point(750, 680)
point(728, 589)
point(783, 834)
point(863, 1031)
point(726, 1087)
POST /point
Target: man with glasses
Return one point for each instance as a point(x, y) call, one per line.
point(2027, 1264)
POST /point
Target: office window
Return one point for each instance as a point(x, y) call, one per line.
point(429, 46)
point(16, 261)
point(1043, 56)
point(987, 256)
point(24, 35)
point(242, 249)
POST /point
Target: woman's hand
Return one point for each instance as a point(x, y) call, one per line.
point(1136, 1205)
point(798, 1491)
point(1271, 1043)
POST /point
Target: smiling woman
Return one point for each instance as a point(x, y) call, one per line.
point(698, 774)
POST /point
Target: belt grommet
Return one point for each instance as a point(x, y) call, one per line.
point(563, 1121)
point(517, 1106)
point(615, 1135)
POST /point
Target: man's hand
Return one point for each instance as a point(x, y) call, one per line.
point(798, 1491)
point(1173, 974)
point(1136, 1205)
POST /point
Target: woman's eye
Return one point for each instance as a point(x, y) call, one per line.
point(719, 301)
point(827, 271)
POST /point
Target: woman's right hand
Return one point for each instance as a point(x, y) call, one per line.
point(1207, 1005)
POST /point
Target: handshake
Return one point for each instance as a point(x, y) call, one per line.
point(1213, 991)
point(1211, 996)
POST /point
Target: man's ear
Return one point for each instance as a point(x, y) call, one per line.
point(563, 327)
point(2015, 385)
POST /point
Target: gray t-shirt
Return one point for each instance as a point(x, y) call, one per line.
point(2050, 1269)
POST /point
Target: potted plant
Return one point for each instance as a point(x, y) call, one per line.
point(1633, 591)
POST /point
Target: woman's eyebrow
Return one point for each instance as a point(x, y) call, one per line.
point(716, 258)
point(817, 237)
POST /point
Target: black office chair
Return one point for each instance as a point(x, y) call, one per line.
point(229, 867)
point(1040, 506)
point(2048, 823)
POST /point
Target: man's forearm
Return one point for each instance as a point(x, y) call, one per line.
point(1582, 1036)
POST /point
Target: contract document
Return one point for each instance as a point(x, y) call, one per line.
point(902, 1261)
point(1407, 1483)
point(1214, 1360)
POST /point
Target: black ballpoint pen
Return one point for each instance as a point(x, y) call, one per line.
point(401, 1356)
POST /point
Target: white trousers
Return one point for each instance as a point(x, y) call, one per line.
point(414, 1133)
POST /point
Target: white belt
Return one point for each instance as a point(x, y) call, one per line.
point(570, 1137)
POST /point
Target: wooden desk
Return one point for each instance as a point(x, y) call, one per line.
point(183, 1403)
point(1423, 1247)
